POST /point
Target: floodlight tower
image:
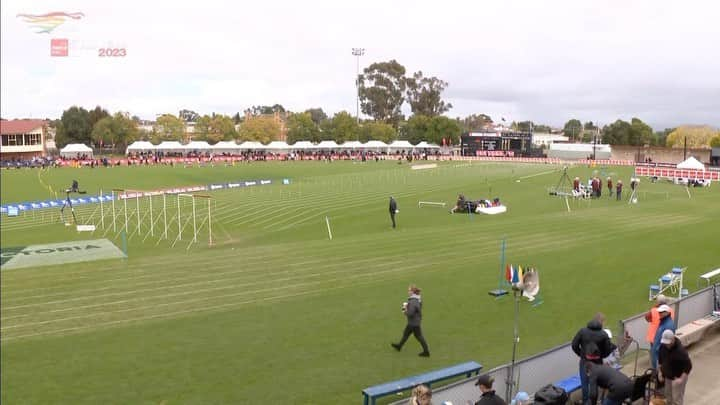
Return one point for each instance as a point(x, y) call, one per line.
point(358, 52)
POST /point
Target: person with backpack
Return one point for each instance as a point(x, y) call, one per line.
point(591, 344)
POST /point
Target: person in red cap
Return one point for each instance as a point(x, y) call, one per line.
point(488, 395)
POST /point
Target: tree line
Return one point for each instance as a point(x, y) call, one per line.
point(383, 89)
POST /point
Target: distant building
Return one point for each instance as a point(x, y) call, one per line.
point(23, 139)
point(543, 139)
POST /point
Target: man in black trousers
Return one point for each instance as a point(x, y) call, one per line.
point(393, 210)
point(413, 311)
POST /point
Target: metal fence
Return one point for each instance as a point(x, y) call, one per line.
point(687, 309)
point(560, 362)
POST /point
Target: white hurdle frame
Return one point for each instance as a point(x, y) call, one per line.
point(431, 203)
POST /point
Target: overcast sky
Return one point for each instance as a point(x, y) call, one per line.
point(545, 61)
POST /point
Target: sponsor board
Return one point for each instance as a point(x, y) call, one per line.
point(58, 253)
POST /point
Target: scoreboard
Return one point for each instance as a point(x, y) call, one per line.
point(507, 143)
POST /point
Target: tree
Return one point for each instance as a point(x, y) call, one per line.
point(696, 136)
point(660, 137)
point(424, 95)
point(237, 119)
point(74, 127)
point(640, 133)
point(202, 128)
point(115, 131)
point(317, 115)
point(417, 128)
point(715, 141)
point(617, 133)
point(262, 129)
point(221, 128)
point(300, 127)
point(265, 109)
point(475, 122)
point(169, 128)
point(542, 129)
point(442, 127)
point(525, 126)
point(188, 115)
point(573, 129)
point(343, 127)
point(381, 88)
point(96, 115)
point(379, 131)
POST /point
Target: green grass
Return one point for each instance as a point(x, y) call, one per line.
point(277, 313)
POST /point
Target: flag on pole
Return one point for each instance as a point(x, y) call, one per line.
point(515, 276)
point(520, 274)
point(508, 272)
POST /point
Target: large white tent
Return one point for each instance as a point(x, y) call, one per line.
point(75, 150)
point(327, 145)
point(375, 145)
point(398, 145)
point(225, 146)
point(200, 146)
point(140, 146)
point(169, 146)
point(277, 146)
point(425, 145)
point(691, 163)
point(302, 145)
point(251, 145)
point(351, 145)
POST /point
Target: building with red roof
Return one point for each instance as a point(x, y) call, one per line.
point(22, 139)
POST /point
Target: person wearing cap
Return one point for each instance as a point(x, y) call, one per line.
point(522, 398)
point(591, 344)
point(675, 366)
point(413, 312)
point(488, 396)
point(653, 317)
point(393, 210)
point(619, 387)
point(666, 323)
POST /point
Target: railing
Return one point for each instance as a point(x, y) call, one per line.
point(559, 362)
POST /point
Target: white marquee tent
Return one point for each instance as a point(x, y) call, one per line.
point(376, 145)
point(302, 145)
point(169, 146)
point(691, 163)
point(327, 145)
point(351, 145)
point(140, 146)
point(398, 145)
point(74, 150)
point(251, 145)
point(276, 146)
point(425, 145)
point(200, 146)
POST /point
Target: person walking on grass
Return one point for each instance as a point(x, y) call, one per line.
point(413, 311)
point(393, 210)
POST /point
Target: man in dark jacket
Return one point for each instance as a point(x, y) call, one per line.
point(413, 311)
point(675, 366)
point(488, 396)
point(591, 344)
point(619, 386)
point(393, 210)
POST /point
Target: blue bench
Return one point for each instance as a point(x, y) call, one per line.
point(569, 384)
point(371, 394)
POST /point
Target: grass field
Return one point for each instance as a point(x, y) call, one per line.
point(275, 312)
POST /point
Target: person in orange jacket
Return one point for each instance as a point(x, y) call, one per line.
point(653, 317)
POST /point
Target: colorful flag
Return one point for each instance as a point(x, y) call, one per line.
point(515, 276)
point(508, 272)
point(520, 274)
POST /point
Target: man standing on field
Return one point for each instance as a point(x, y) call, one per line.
point(393, 210)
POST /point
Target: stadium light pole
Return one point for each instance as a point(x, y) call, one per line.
point(358, 52)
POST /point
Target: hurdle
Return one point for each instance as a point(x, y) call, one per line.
point(431, 204)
